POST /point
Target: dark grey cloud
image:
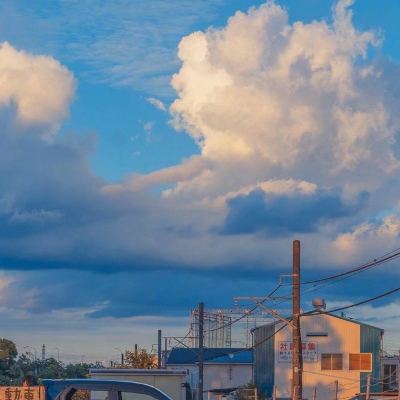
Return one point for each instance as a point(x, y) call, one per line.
point(74, 247)
point(127, 294)
point(53, 213)
point(172, 293)
point(285, 214)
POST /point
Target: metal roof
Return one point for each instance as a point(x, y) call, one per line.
point(241, 357)
point(216, 355)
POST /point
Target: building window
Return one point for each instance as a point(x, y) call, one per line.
point(331, 361)
point(360, 362)
point(390, 377)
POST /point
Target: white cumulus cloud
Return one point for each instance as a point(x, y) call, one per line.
point(39, 87)
point(266, 99)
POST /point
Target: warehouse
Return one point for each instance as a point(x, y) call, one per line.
point(338, 355)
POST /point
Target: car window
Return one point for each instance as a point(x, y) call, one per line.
point(135, 396)
point(99, 395)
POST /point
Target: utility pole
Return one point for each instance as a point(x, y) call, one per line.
point(201, 351)
point(165, 351)
point(368, 394)
point(159, 349)
point(122, 359)
point(297, 359)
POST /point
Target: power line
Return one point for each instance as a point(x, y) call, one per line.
point(246, 314)
point(377, 261)
point(323, 282)
point(353, 305)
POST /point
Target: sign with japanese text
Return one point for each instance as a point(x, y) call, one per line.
point(22, 393)
point(285, 351)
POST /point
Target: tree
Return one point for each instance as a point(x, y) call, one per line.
point(13, 371)
point(8, 351)
point(51, 369)
point(77, 370)
point(140, 359)
point(10, 372)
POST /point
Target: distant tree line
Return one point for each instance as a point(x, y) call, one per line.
point(14, 368)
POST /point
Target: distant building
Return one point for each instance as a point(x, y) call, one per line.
point(225, 369)
point(334, 349)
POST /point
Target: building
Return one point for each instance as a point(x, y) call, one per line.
point(225, 369)
point(338, 354)
point(391, 373)
point(171, 382)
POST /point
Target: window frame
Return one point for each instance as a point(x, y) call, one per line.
point(360, 362)
point(331, 361)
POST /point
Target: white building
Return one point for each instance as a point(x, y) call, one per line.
point(335, 349)
point(172, 383)
point(225, 369)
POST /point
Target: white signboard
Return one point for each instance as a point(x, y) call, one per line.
point(310, 351)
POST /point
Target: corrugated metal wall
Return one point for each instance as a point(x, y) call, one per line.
point(370, 342)
point(264, 358)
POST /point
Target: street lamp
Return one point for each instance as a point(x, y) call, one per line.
point(58, 353)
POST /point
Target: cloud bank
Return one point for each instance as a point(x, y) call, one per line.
point(298, 136)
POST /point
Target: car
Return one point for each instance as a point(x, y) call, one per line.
point(100, 389)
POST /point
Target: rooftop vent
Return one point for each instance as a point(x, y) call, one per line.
point(319, 304)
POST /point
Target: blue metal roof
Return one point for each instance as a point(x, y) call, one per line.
point(242, 357)
point(54, 387)
point(215, 355)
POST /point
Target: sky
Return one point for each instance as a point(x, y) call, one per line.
point(158, 154)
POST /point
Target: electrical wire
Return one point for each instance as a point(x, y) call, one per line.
point(313, 312)
point(246, 314)
point(377, 261)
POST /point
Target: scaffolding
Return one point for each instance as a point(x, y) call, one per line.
point(217, 329)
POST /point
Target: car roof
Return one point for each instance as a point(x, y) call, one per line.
point(54, 387)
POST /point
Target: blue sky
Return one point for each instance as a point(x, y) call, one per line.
point(140, 176)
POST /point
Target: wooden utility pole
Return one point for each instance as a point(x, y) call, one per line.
point(297, 359)
point(159, 349)
point(201, 351)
